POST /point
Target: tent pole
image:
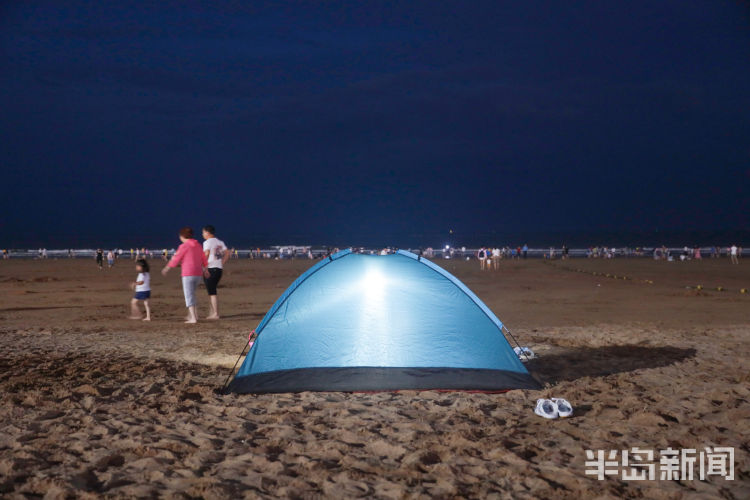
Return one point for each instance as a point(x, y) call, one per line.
point(226, 382)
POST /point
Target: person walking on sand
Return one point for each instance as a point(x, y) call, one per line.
point(110, 259)
point(482, 256)
point(217, 255)
point(100, 258)
point(495, 259)
point(733, 254)
point(142, 288)
point(192, 260)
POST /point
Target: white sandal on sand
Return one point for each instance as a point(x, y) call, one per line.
point(564, 409)
point(546, 408)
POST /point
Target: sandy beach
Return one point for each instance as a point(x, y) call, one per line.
point(95, 405)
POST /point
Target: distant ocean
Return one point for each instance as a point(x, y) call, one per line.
point(536, 239)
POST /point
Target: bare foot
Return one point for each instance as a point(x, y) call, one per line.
point(134, 317)
point(213, 316)
point(146, 319)
point(191, 321)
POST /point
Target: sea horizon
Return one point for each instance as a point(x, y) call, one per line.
point(536, 240)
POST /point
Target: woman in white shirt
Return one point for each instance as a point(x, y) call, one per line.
point(217, 254)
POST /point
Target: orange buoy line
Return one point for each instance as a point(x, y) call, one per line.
point(716, 289)
point(602, 275)
point(743, 291)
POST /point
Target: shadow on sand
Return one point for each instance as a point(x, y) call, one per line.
point(251, 315)
point(38, 308)
point(574, 363)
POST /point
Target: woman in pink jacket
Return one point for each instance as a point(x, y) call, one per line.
point(194, 265)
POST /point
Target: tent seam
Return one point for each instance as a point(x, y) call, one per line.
point(482, 306)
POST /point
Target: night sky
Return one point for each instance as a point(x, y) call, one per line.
point(371, 123)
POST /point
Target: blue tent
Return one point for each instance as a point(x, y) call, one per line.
point(357, 322)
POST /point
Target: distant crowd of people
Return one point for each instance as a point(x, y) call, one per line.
point(602, 252)
point(489, 258)
point(734, 253)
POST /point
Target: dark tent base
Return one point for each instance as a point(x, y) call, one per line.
point(366, 378)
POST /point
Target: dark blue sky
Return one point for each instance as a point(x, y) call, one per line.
point(369, 123)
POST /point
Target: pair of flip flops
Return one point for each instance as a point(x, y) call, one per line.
point(553, 408)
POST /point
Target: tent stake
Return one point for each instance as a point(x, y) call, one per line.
point(517, 344)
